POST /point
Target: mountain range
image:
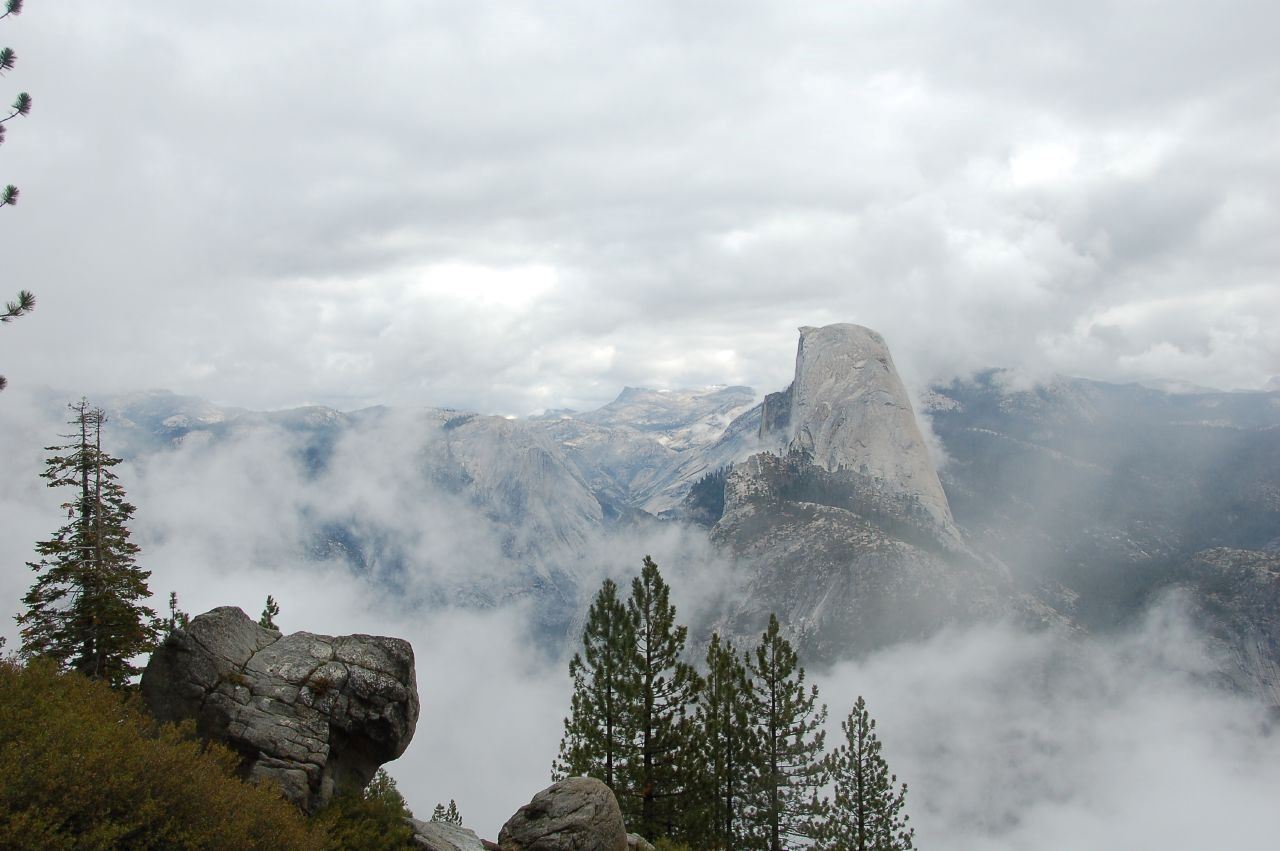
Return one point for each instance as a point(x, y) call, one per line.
point(858, 519)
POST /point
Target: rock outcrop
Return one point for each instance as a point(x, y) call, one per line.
point(308, 712)
point(442, 836)
point(1235, 598)
point(575, 814)
point(841, 527)
point(850, 410)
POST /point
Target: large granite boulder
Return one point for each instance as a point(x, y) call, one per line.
point(576, 814)
point(442, 836)
point(309, 712)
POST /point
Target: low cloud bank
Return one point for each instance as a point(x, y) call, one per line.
point(1016, 741)
point(1008, 740)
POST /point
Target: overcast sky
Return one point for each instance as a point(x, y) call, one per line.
point(510, 206)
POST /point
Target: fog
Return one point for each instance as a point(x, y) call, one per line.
point(1008, 740)
point(1016, 741)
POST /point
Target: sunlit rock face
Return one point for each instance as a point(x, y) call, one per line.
point(307, 712)
point(850, 411)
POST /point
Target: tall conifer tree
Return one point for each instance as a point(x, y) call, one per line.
point(657, 779)
point(597, 734)
point(725, 749)
point(866, 814)
point(788, 724)
point(85, 609)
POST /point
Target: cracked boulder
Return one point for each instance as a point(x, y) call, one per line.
point(307, 712)
point(576, 814)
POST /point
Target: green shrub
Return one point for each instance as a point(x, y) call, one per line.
point(81, 766)
point(369, 819)
point(664, 844)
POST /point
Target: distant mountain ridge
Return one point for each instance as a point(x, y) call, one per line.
point(1073, 497)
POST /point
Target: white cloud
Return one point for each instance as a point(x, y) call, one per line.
point(250, 219)
point(1014, 741)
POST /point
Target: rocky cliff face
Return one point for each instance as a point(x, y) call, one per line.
point(1235, 598)
point(307, 712)
point(850, 411)
point(842, 528)
point(847, 567)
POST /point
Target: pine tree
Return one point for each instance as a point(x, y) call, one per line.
point(178, 619)
point(788, 725)
point(85, 608)
point(269, 612)
point(657, 779)
point(866, 814)
point(724, 748)
point(448, 815)
point(597, 739)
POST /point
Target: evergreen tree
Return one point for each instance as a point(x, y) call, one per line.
point(788, 725)
point(448, 815)
point(269, 612)
point(369, 819)
point(597, 739)
point(725, 750)
point(657, 779)
point(85, 609)
point(866, 814)
point(178, 619)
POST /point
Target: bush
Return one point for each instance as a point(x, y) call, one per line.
point(372, 819)
point(664, 844)
point(81, 766)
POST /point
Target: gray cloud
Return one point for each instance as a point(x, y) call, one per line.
point(1015, 741)
point(509, 208)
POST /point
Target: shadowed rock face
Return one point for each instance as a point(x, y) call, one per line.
point(306, 711)
point(576, 814)
point(1235, 597)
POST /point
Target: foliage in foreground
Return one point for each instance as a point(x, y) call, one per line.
point(372, 819)
point(85, 768)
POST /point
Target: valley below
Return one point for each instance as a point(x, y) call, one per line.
point(1062, 600)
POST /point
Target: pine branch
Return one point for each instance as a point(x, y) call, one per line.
point(21, 106)
point(25, 303)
